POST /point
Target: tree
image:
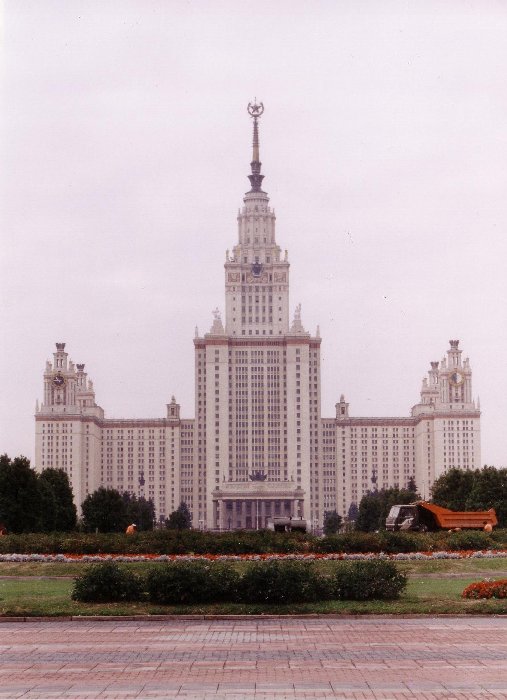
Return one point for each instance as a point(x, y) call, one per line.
point(411, 485)
point(179, 519)
point(375, 506)
point(104, 510)
point(332, 522)
point(20, 496)
point(353, 512)
point(489, 490)
point(369, 512)
point(452, 489)
point(65, 517)
point(480, 489)
point(139, 511)
point(48, 506)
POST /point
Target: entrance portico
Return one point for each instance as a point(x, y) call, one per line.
point(247, 505)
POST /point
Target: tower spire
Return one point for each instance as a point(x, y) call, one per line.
point(255, 110)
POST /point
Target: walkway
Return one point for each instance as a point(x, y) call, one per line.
point(265, 659)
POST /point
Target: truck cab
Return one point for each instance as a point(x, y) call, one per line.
point(403, 517)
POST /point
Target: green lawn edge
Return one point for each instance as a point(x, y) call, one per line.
point(434, 588)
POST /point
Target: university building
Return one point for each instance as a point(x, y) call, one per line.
point(258, 446)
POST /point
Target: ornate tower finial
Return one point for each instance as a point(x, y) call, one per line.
point(255, 110)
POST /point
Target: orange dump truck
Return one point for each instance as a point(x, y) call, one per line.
point(422, 516)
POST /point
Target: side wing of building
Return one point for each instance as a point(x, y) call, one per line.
point(443, 432)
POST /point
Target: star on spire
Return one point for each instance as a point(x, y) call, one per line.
point(255, 111)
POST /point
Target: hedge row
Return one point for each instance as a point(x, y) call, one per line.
point(275, 582)
point(246, 542)
point(169, 542)
point(157, 542)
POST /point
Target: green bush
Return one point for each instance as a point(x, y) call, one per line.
point(272, 583)
point(283, 582)
point(190, 582)
point(367, 580)
point(224, 581)
point(349, 542)
point(107, 582)
point(394, 542)
point(469, 539)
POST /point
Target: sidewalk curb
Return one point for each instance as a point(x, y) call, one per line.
point(200, 618)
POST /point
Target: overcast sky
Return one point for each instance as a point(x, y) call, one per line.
point(125, 150)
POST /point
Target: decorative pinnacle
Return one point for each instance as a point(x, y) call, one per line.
point(256, 111)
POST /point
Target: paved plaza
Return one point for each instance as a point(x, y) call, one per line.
point(265, 659)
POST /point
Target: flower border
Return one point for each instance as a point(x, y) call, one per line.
point(339, 556)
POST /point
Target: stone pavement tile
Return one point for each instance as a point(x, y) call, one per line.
point(80, 695)
point(7, 691)
point(207, 664)
point(349, 685)
point(495, 662)
point(201, 687)
point(337, 663)
point(424, 685)
point(401, 663)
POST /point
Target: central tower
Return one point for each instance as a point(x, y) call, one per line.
point(256, 278)
point(257, 384)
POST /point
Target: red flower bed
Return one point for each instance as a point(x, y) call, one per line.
point(486, 589)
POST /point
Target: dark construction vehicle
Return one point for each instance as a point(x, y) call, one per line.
point(287, 524)
point(422, 517)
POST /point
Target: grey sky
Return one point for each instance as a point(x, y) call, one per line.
point(126, 146)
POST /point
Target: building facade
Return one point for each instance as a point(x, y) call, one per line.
point(258, 446)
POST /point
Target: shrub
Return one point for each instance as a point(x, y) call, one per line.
point(224, 581)
point(396, 542)
point(468, 539)
point(189, 582)
point(107, 582)
point(366, 580)
point(283, 582)
point(350, 542)
point(486, 589)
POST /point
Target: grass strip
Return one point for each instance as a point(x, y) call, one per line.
point(430, 596)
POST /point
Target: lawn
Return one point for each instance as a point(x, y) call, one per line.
point(434, 588)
